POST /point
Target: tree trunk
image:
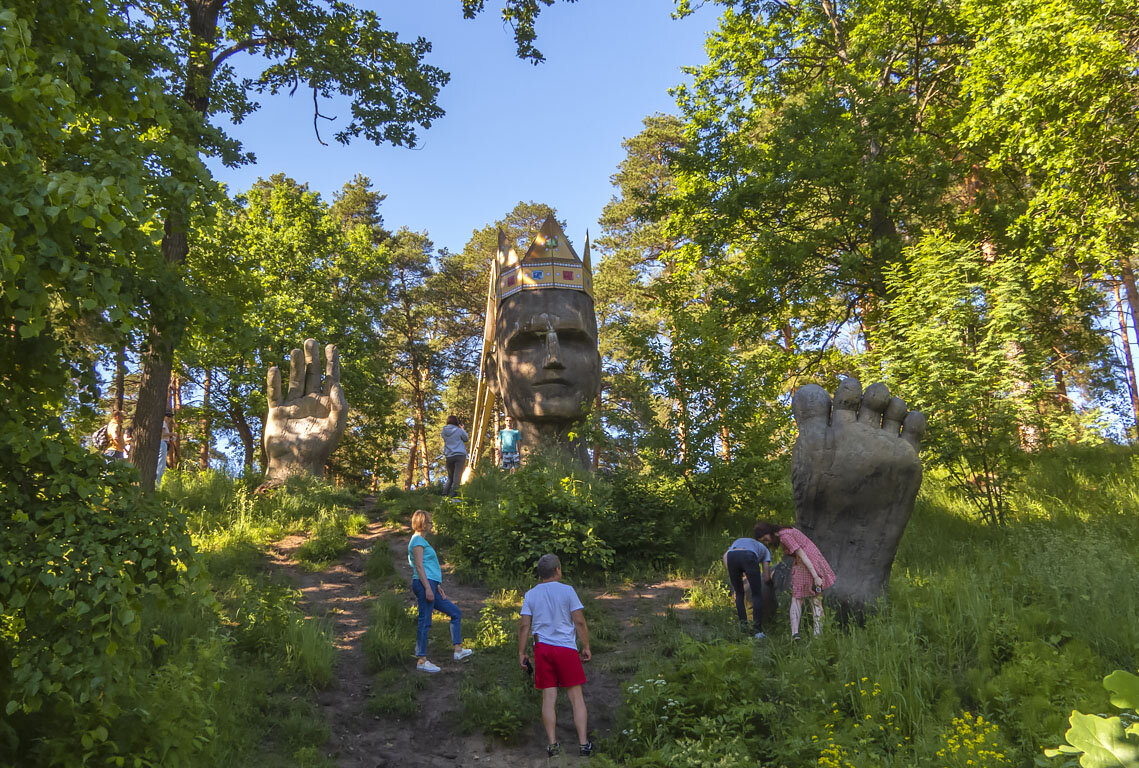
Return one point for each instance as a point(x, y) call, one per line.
point(244, 431)
point(1131, 385)
point(146, 426)
point(120, 377)
point(411, 456)
point(1062, 391)
point(207, 437)
point(167, 321)
point(426, 459)
point(1127, 273)
point(174, 457)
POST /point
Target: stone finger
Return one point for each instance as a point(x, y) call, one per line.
point(296, 375)
point(331, 368)
point(312, 367)
point(913, 428)
point(273, 387)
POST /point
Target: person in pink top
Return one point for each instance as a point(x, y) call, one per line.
point(810, 572)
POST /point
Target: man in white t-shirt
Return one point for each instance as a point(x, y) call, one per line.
point(552, 613)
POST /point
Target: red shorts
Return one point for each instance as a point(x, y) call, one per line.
point(557, 667)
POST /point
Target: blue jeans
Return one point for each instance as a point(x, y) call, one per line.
point(441, 604)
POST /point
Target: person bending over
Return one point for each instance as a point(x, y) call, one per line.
point(746, 556)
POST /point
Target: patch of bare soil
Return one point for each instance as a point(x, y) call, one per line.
point(361, 740)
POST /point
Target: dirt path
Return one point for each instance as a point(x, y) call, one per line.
point(361, 740)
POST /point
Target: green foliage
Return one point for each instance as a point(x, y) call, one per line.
point(496, 696)
point(267, 622)
point(1105, 742)
point(505, 522)
point(390, 638)
point(647, 518)
point(990, 636)
point(396, 693)
point(330, 539)
point(621, 522)
point(955, 338)
point(86, 558)
point(379, 566)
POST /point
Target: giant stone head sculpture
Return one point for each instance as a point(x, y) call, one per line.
point(544, 365)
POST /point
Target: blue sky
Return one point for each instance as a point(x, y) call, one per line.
point(513, 131)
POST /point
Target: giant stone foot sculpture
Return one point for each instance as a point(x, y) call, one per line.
point(302, 430)
point(855, 472)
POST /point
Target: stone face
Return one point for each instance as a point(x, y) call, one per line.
point(546, 368)
point(855, 472)
point(302, 430)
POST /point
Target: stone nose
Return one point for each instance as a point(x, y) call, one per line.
point(553, 351)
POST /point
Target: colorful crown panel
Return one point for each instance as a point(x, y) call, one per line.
point(550, 262)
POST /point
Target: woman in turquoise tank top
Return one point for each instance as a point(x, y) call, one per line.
point(425, 584)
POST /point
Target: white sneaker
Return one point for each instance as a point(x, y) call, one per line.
point(759, 636)
point(466, 653)
point(427, 666)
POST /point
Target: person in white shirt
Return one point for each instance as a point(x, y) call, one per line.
point(553, 614)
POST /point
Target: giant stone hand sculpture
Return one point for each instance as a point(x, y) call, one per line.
point(302, 430)
point(855, 472)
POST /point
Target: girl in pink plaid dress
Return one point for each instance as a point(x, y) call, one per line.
point(810, 572)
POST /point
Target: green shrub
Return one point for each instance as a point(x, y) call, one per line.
point(85, 557)
point(621, 523)
point(649, 520)
point(504, 523)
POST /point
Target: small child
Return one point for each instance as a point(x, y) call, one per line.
point(508, 446)
point(810, 573)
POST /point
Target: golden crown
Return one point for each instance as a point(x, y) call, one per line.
point(550, 262)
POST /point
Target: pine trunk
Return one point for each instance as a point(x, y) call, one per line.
point(1131, 384)
point(426, 461)
point(207, 437)
point(411, 457)
point(1127, 273)
point(174, 457)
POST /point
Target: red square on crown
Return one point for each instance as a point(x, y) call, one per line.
point(567, 275)
point(511, 280)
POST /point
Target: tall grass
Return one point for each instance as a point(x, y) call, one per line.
point(246, 641)
point(1015, 625)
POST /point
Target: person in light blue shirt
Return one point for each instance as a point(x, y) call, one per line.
point(508, 440)
point(749, 557)
point(426, 584)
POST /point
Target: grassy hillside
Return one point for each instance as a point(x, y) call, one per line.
point(990, 638)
